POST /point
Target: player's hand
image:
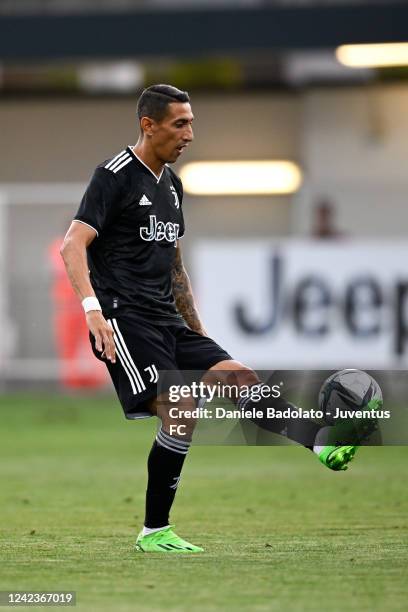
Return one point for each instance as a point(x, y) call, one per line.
point(103, 334)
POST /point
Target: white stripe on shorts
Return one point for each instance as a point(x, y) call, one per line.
point(123, 362)
point(125, 358)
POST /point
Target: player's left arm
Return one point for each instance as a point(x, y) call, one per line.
point(183, 294)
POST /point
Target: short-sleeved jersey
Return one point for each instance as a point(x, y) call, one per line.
point(138, 219)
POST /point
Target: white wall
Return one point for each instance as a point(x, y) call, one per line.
point(354, 149)
point(351, 142)
point(63, 140)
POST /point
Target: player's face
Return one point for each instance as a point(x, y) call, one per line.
point(173, 133)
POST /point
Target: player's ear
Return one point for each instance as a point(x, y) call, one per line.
point(147, 126)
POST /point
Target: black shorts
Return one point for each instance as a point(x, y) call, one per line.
point(143, 349)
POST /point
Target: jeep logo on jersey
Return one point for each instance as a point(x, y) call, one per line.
point(158, 230)
point(176, 200)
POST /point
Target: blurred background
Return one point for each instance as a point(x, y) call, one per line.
point(299, 265)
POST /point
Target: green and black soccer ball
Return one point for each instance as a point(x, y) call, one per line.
point(347, 390)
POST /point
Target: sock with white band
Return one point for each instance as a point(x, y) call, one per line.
point(164, 466)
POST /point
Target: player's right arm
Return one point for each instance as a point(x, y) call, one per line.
point(73, 252)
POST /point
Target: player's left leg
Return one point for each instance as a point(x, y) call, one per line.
point(306, 432)
point(235, 375)
point(196, 352)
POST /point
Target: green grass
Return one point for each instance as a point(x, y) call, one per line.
point(280, 531)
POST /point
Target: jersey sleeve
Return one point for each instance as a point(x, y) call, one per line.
point(178, 185)
point(101, 200)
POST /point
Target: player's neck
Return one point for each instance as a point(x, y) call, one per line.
point(148, 158)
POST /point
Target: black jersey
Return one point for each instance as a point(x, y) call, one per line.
point(138, 219)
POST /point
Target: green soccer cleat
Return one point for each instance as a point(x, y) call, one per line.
point(165, 540)
point(337, 457)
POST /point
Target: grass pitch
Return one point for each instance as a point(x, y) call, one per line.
point(281, 532)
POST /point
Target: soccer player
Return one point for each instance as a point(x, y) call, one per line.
point(138, 300)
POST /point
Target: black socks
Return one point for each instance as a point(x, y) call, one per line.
point(302, 431)
point(164, 467)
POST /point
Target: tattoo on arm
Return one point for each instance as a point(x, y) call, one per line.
point(183, 295)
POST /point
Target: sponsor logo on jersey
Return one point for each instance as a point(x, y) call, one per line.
point(144, 201)
point(158, 230)
point(176, 200)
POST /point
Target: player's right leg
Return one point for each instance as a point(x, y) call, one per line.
point(165, 464)
point(143, 350)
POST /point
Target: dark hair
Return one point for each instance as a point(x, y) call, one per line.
point(154, 101)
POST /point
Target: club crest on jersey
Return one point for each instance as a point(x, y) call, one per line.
point(176, 200)
point(158, 230)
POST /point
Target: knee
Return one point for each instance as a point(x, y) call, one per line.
point(231, 372)
point(177, 417)
point(242, 376)
point(233, 376)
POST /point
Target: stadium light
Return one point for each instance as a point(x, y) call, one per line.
point(373, 56)
point(119, 77)
point(241, 177)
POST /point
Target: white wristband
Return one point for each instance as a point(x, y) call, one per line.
point(91, 303)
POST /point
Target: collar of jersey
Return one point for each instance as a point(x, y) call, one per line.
point(137, 158)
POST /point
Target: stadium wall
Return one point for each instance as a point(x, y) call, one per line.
point(350, 142)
